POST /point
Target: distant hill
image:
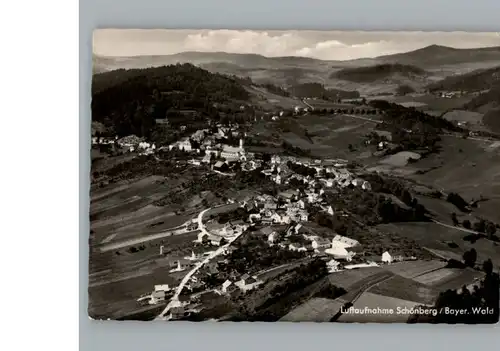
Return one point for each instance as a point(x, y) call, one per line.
point(437, 55)
point(379, 72)
point(128, 101)
point(477, 80)
point(222, 59)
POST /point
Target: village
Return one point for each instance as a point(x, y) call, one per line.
point(281, 221)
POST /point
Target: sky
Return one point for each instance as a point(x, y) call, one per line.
point(324, 45)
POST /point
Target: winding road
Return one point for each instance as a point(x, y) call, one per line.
point(174, 301)
point(307, 104)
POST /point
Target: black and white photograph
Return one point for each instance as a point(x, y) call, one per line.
point(295, 176)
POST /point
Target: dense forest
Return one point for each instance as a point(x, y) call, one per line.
point(373, 73)
point(413, 129)
point(473, 81)
point(317, 90)
point(129, 101)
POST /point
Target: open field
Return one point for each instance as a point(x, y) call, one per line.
point(105, 162)
point(314, 310)
point(400, 159)
point(473, 118)
point(434, 236)
point(439, 208)
point(412, 269)
point(114, 189)
point(270, 101)
point(126, 210)
point(406, 289)
point(332, 135)
point(351, 278)
point(118, 298)
point(429, 102)
point(464, 166)
point(450, 278)
point(373, 302)
point(126, 258)
point(118, 278)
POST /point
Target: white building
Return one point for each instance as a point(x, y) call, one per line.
point(271, 239)
point(345, 242)
point(184, 145)
point(247, 282)
point(366, 186)
point(320, 243)
point(330, 210)
point(226, 285)
point(162, 287)
point(231, 153)
point(340, 253)
point(144, 145)
point(332, 266)
point(386, 257)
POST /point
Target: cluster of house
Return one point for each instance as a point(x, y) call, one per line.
point(339, 249)
point(244, 283)
point(213, 147)
point(159, 294)
point(329, 173)
point(103, 140)
point(290, 205)
point(130, 143)
point(451, 94)
point(285, 209)
point(299, 109)
point(217, 234)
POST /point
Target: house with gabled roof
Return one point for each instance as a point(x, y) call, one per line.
point(342, 241)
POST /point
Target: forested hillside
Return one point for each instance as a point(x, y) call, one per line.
point(317, 90)
point(129, 101)
point(371, 74)
point(473, 81)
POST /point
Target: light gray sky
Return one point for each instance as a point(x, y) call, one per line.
point(325, 45)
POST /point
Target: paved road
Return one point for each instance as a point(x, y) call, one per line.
point(174, 301)
point(307, 104)
point(199, 220)
point(224, 174)
point(470, 138)
point(457, 228)
point(363, 118)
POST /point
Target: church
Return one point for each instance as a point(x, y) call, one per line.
point(232, 154)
